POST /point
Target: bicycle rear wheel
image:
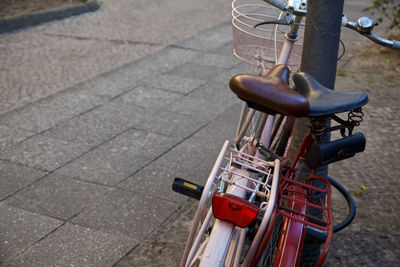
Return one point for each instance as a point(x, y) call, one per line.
point(272, 237)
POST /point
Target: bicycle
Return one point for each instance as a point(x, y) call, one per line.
point(261, 206)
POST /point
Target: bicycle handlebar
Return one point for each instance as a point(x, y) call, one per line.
point(382, 41)
point(364, 26)
point(296, 10)
point(396, 44)
point(278, 4)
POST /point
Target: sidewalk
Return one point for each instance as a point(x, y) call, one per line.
point(73, 164)
point(86, 172)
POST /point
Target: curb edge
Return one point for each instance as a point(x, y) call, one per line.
point(29, 20)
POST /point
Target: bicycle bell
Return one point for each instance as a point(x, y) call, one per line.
point(365, 25)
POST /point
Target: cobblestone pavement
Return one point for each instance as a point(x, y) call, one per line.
point(42, 60)
point(86, 172)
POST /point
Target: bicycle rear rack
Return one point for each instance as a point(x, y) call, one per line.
point(307, 188)
point(257, 172)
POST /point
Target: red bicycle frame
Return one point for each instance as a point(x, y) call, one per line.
point(293, 204)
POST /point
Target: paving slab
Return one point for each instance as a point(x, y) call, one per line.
point(225, 50)
point(10, 136)
point(14, 177)
point(198, 107)
point(44, 152)
point(218, 60)
point(169, 238)
point(131, 214)
point(148, 98)
point(88, 130)
point(175, 83)
point(209, 40)
point(106, 86)
point(214, 91)
point(58, 196)
point(118, 115)
point(196, 71)
point(198, 157)
point(120, 157)
point(20, 230)
point(172, 124)
point(50, 111)
point(147, 68)
point(74, 245)
point(241, 67)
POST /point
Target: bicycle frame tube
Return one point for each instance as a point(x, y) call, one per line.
point(285, 52)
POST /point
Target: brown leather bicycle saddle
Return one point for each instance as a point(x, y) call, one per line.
point(270, 93)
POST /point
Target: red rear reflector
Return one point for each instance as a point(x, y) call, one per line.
point(233, 209)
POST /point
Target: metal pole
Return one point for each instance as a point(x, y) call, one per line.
point(321, 40)
point(320, 53)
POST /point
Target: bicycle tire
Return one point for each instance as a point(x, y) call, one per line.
point(269, 253)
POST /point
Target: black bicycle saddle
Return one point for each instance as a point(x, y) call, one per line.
point(324, 101)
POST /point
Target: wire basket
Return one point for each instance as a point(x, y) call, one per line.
point(261, 46)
